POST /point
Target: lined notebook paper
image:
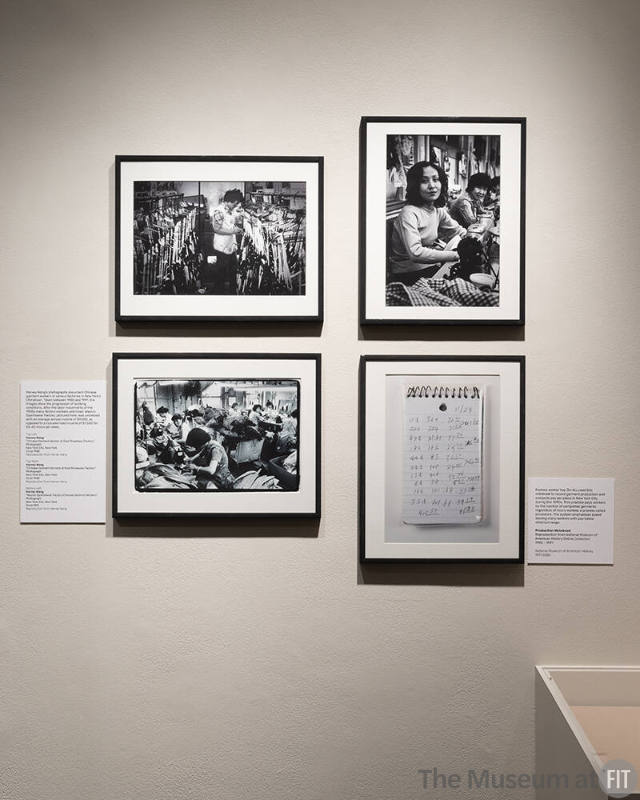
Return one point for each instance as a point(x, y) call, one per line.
point(442, 454)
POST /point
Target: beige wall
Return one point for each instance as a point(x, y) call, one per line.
point(254, 661)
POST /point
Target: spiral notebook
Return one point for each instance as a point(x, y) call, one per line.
point(442, 454)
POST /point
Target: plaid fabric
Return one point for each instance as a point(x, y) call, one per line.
point(440, 292)
point(400, 295)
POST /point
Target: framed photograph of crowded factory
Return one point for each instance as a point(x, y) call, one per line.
point(442, 220)
point(222, 435)
point(219, 238)
point(442, 458)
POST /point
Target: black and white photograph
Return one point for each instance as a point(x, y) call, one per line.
point(442, 220)
point(214, 237)
point(441, 458)
point(216, 434)
point(219, 238)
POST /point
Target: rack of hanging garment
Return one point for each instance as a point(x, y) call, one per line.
point(165, 243)
point(272, 252)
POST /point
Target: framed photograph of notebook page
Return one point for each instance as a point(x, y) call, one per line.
point(441, 449)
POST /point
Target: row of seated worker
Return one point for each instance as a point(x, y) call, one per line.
point(169, 439)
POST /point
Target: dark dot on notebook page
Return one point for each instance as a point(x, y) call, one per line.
point(442, 406)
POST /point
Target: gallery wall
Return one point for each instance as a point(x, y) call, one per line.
point(182, 661)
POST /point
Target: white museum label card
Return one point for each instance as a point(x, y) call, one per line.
point(570, 521)
point(63, 451)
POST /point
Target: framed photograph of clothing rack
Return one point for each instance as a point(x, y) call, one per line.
point(219, 238)
point(442, 220)
point(441, 458)
point(216, 435)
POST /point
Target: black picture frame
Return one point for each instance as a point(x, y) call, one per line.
point(374, 265)
point(514, 533)
point(154, 308)
point(305, 368)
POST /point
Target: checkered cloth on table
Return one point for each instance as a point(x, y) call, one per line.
point(439, 292)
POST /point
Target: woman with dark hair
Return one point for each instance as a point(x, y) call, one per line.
point(225, 231)
point(423, 225)
point(166, 449)
point(162, 416)
point(255, 415)
point(174, 427)
point(208, 460)
point(492, 200)
point(467, 208)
